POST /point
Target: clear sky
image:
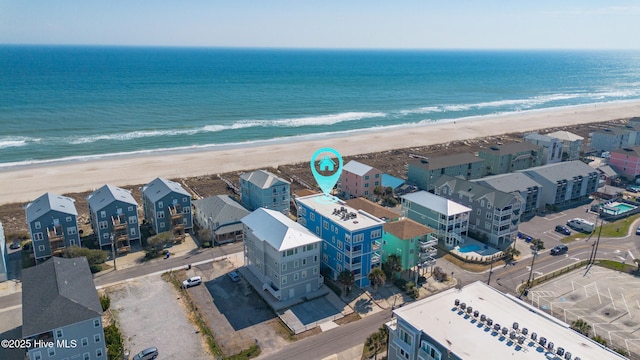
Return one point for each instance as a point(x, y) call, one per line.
point(410, 24)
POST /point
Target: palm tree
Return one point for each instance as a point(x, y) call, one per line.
point(581, 326)
point(393, 264)
point(377, 341)
point(377, 278)
point(510, 253)
point(347, 280)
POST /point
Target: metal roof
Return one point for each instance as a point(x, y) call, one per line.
point(221, 209)
point(357, 168)
point(160, 187)
point(57, 293)
point(510, 148)
point(278, 230)
point(562, 170)
point(476, 191)
point(263, 179)
point(565, 135)
point(436, 203)
point(439, 162)
point(48, 202)
point(108, 194)
point(392, 181)
point(509, 182)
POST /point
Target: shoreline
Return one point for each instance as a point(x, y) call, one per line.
point(27, 182)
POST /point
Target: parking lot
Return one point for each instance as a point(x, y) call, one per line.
point(609, 301)
point(149, 313)
point(543, 227)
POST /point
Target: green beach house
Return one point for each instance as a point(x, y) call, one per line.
point(413, 242)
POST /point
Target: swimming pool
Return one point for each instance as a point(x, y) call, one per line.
point(469, 248)
point(617, 208)
point(624, 207)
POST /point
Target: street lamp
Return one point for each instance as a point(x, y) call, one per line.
point(113, 253)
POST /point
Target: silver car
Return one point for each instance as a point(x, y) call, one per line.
point(146, 354)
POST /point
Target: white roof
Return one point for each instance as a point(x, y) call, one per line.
point(362, 220)
point(565, 135)
point(48, 202)
point(437, 317)
point(108, 194)
point(159, 188)
point(278, 230)
point(263, 179)
point(357, 168)
point(436, 203)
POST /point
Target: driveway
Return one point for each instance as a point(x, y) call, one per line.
point(150, 314)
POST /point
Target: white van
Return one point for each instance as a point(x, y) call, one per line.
point(582, 225)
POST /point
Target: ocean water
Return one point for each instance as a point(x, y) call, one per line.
point(76, 103)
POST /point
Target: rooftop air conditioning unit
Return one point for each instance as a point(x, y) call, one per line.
point(483, 317)
point(525, 331)
point(515, 326)
point(567, 356)
point(489, 322)
point(457, 302)
point(469, 309)
point(505, 330)
point(542, 341)
point(463, 306)
point(476, 313)
point(560, 351)
point(550, 346)
point(534, 336)
point(521, 339)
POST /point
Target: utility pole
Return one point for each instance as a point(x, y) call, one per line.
point(490, 272)
point(594, 248)
point(113, 253)
point(533, 259)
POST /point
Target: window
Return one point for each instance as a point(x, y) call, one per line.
point(482, 203)
point(41, 248)
point(332, 227)
point(376, 183)
point(311, 247)
point(304, 274)
point(284, 267)
point(304, 262)
point(366, 177)
point(315, 271)
point(488, 216)
point(133, 219)
point(37, 355)
point(317, 230)
point(103, 214)
point(376, 234)
point(59, 333)
point(96, 323)
point(38, 236)
point(103, 225)
point(339, 268)
point(105, 235)
point(339, 257)
point(99, 353)
point(51, 351)
point(479, 212)
point(347, 238)
point(130, 208)
point(160, 214)
point(312, 216)
point(69, 219)
point(96, 338)
point(302, 211)
point(366, 185)
point(162, 225)
point(37, 225)
point(358, 238)
point(324, 245)
point(376, 176)
point(488, 205)
point(284, 279)
point(296, 276)
point(404, 336)
point(184, 199)
point(86, 356)
point(339, 244)
point(296, 263)
point(325, 258)
point(85, 341)
point(132, 231)
point(315, 258)
point(428, 348)
point(71, 230)
point(366, 192)
point(325, 225)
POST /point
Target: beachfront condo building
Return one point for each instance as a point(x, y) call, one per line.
point(283, 255)
point(479, 322)
point(626, 162)
point(612, 138)
point(551, 147)
point(167, 207)
point(60, 304)
point(449, 219)
point(3, 255)
point(262, 189)
point(425, 172)
point(414, 243)
point(358, 179)
point(517, 183)
point(565, 184)
point(505, 158)
point(113, 213)
point(350, 238)
point(53, 225)
point(571, 144)
point(495, 215)
point(221, 215)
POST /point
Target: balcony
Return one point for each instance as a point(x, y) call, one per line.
point(425, 244)
point(375, 258)
point(119, 223)
point(432, 252)
point(352, 267)
point(175, 212)
point(375, 245)
point(56, 239)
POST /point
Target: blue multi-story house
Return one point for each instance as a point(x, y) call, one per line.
point(350, 238)
point(167, 206)
point(114, 217)
point(53, 225)
point(262, 189)
point(3, 255)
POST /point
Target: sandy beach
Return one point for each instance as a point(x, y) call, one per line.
point(27, 183)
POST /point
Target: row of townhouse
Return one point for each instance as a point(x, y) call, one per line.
point(617, 137)
point(113, 214)
point(536, 150)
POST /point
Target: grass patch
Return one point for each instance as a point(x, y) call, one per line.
point(250, 353)
point(282, 330)
point(615, 229)
point(618, 266)
point(471, 267)
point(354, 316)
point(113, 340)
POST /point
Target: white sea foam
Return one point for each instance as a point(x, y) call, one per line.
point(8, 142)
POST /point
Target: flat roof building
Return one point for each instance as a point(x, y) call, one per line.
point(478, 322)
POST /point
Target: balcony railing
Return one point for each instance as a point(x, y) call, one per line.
point(375, 258)
point(427, 243)
point(375, 245)
point(429, 252)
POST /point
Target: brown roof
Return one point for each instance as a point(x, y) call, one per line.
point(407, 229)
point(511, 148)
point(305, 192)
point(372, 208)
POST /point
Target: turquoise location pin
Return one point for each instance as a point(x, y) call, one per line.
point(326, 164)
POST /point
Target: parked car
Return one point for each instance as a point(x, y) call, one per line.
point(563, 230)
point(560, 249)
point(638, 231)
point(15, 245)
point(146, 354)
point(235, 277)
point(192, 281)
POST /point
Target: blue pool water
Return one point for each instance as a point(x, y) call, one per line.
point(469, 248)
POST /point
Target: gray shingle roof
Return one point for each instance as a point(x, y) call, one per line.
point(108, 194)
point(50, 201)
point(440, 162)
point(562, 170)
point(509, 182)
point(357, 168)
point(159, 188)
point(278, 230)
point(263, 179)
point(57, 293)
point(510, 148)
point(222, 209)
point(475, 191)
